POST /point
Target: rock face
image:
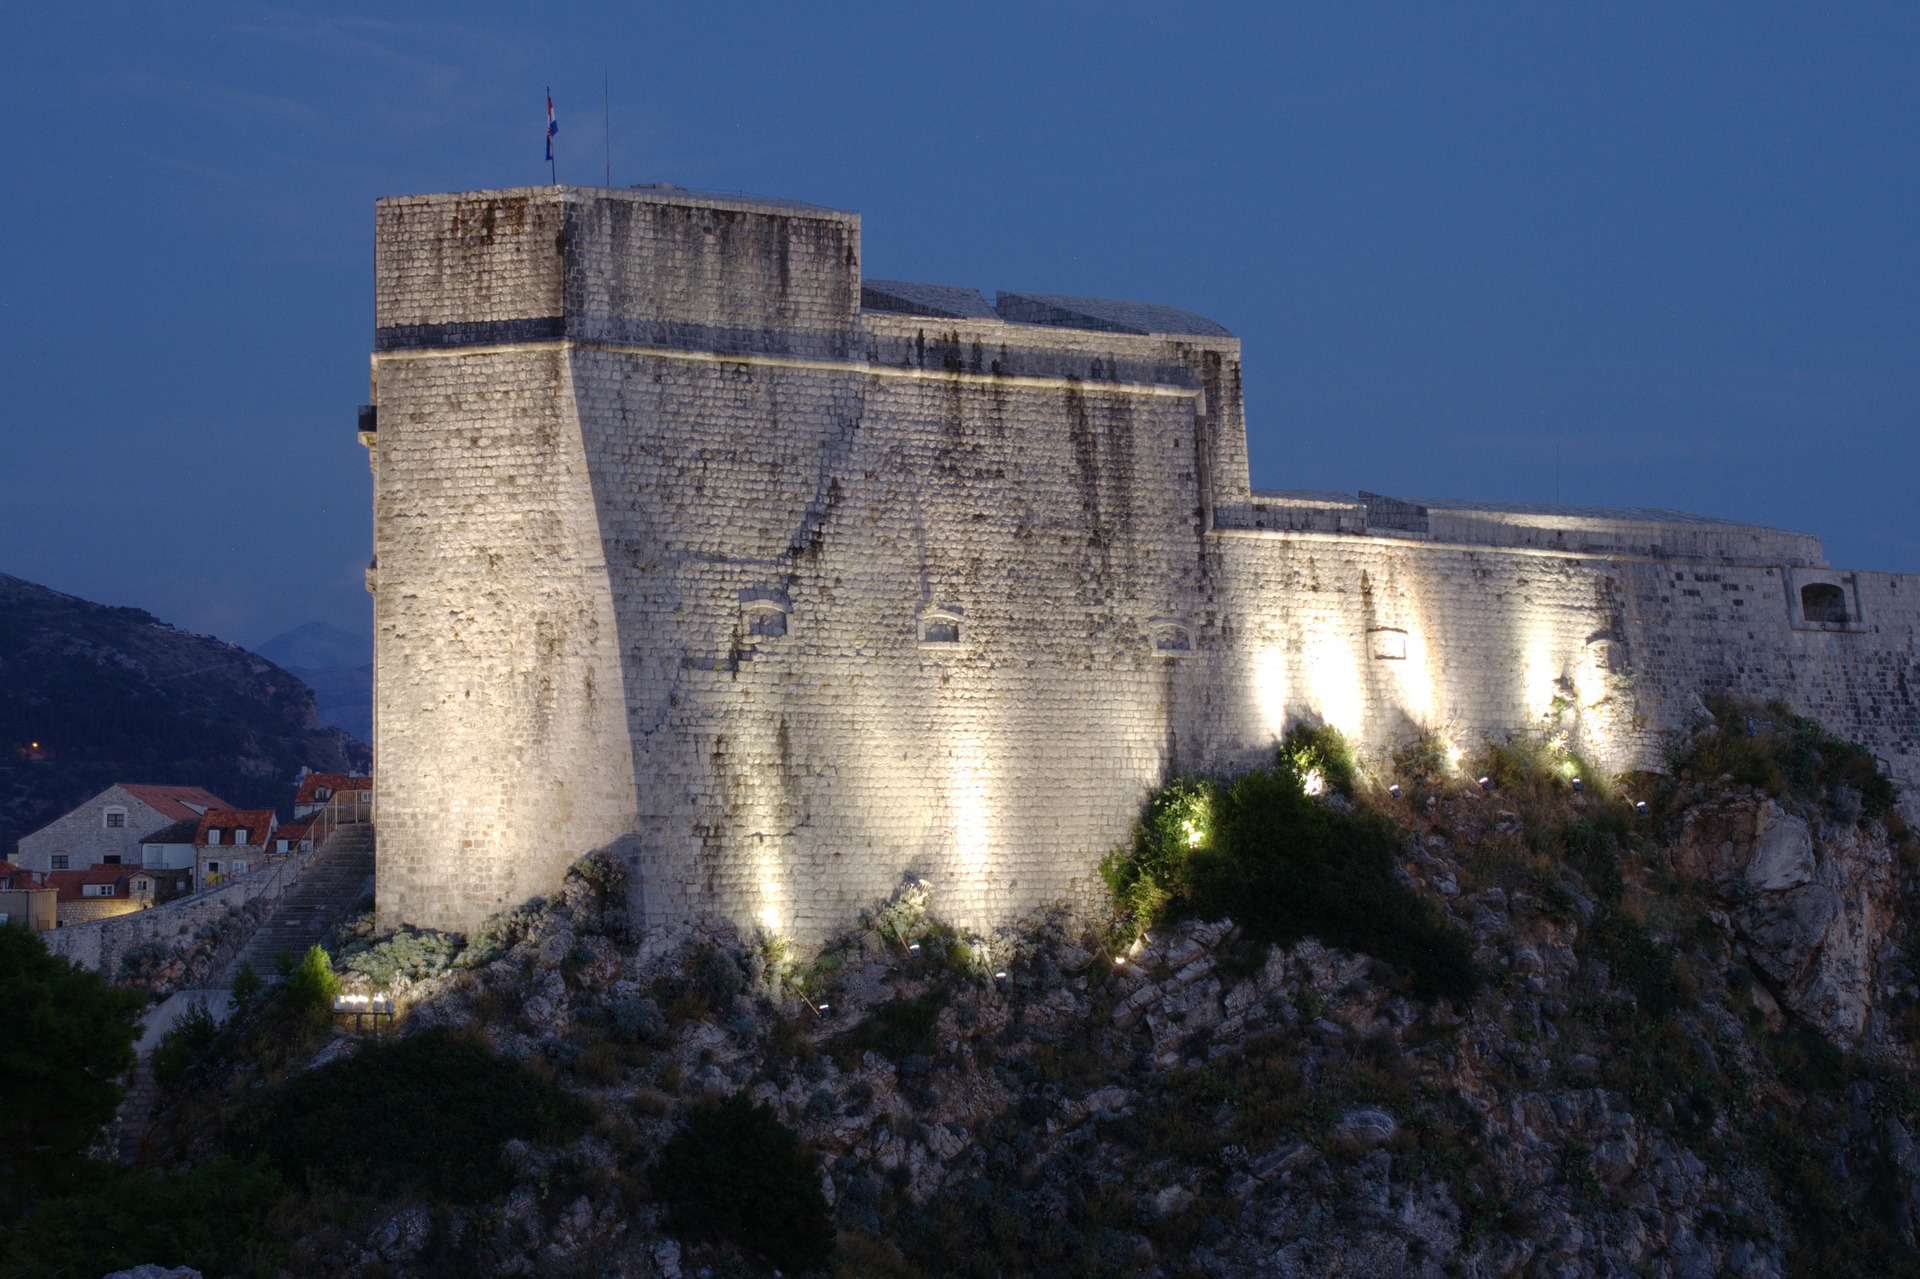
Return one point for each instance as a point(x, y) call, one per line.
point(112, 694)
point(1809, 902)
point(1649, 1082)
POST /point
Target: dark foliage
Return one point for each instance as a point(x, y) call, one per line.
point(895, 1029)
point(213, 1218)
point(425, 1115)
point(1784, 754)
point(65, 1038)
point(311, 984)
point(1285, 865)
point(736, 1173)
point(185, 1044)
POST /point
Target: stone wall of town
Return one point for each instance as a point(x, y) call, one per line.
point(681, 553)
point(103, 943)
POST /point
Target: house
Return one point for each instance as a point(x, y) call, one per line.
point(106, 830)
point(34, 908)
point(100, 892)
point(294, 837)
point(317, 790)
point(170, 847)
point(24, 898)
point(230, 841)
point(19, 879)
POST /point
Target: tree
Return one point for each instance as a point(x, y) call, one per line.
point(736, 1172)
point(65, 1038)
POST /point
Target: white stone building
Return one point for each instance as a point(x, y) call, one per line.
point(107, 829)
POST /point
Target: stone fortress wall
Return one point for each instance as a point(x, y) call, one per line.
point(788, 585)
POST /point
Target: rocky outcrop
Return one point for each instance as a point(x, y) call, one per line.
point(1810, 902)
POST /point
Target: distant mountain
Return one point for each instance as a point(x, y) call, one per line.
point(337, 665)
point(91, 695)
point(318, 646)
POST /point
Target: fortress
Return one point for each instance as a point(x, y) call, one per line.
point(785, 584)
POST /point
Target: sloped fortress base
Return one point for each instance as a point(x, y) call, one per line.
point(693, 545)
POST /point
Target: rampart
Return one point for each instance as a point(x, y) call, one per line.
point(102, 943)
point(693, 544)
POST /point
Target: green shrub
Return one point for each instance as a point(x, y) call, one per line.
point(895, 1029)
point(422, 1115)
point(213, 1218)
point(66, 1037)
point(311, 984)
point(412, 953)
point(1771, 748)
point(184, 1044)
point(1320, 757)
point(736, 1173)
point(1284, 866)
point(246, 985)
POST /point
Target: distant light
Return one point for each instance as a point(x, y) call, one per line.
point(1119, 960)
point(1394, 790)
point(1640, 806)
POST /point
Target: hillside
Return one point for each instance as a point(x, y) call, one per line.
point(337, 665)
point(1658, 1026)
point(91, 695)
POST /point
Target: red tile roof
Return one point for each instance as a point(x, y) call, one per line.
point(12, 876)
point(258, 823)
point(180, 832)
point(69, 882)
point(174, 801)
point(335, 782)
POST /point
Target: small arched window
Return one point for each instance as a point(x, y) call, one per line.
point(1824, 603)
point(1171, 636)
point(763, 613)
point(940, 627)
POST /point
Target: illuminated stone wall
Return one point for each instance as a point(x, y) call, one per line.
point(683, 553)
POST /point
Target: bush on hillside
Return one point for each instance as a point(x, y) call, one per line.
point(311, 984)
point(66, 1037)
point(213, 1218)
point(186, 1042)
point(423, 1115)
point(1285, 865)
point(736, 1173)
point(1771, 748)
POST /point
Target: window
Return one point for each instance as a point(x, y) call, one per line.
point(940, 627)
point(238, 866)
point(111, 859)
point(763, 621)
point(1824, 603)
point(96, 890)
point(213, 834)
point(59, 861)
point(1388, 643)
point(213, 868)
point(323, 792)
point(241, 835)
point(1171, 637)
point(282, 845)
point(116, 818)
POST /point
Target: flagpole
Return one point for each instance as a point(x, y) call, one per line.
point(553, 168)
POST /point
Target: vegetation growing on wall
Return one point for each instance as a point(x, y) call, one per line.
point(1284, 863)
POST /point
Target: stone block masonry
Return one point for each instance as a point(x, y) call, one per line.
point(684, 554)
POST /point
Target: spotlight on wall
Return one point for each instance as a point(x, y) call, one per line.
point(913, 948)
point(1119, 961)
point(1394, 790)
point(1486, 783)
point(1639, 805)
point(1000, 978)
point(1577, 786)
point(825, 1010)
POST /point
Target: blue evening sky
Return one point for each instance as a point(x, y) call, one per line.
point(1672, 246)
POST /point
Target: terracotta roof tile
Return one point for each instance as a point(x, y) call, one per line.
point(258, 823)
point(177, 802)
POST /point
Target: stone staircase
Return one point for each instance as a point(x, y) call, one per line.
point(335, 879)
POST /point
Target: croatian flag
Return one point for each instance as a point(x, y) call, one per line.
point(553, 126)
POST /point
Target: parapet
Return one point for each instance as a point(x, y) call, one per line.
point(1575, 530)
